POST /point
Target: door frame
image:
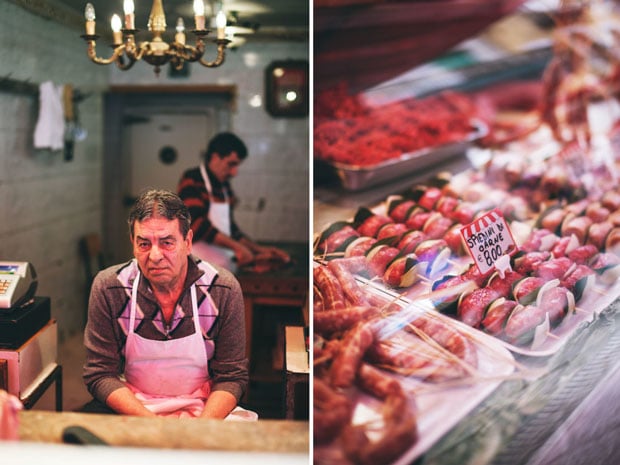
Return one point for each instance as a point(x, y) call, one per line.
point(119, 101)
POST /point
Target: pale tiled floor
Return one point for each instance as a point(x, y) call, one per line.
point(70, 355)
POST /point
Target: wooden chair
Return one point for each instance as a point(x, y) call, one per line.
point(92, 257)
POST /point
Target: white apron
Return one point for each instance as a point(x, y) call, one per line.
point(219, 215)
point(171, 378)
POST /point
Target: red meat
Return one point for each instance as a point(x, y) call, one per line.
point(401, 211)
point(410, 240)
point(417, 220)
point(598, 233)
point(472, 307)
point(371, 225)
point(497, 315)
point(555, 268)
point(437, 226)
point(430, 197)
point(583, 254)
point(379, 259)
point(360, 246)
point(391, 230)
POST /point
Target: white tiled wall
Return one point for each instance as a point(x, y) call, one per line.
point(46, 203)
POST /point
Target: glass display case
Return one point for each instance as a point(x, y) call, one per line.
point(422, 355)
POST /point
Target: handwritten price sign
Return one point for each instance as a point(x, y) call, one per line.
point(487, 239)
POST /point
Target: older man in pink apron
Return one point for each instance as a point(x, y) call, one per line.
point(165, 333)
point(209, 197)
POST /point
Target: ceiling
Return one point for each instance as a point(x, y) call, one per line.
point(260, 19)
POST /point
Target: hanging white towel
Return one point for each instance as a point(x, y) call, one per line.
point(50, 129)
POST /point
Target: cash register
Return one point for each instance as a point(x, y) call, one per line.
point(21, 313)
point(18, 284)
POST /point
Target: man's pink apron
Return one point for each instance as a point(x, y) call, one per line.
point(171, 378)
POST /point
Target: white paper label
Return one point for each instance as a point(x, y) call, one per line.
point(488, 238)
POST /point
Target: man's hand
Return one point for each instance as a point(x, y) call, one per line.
point(243, 255)
point(273, 253)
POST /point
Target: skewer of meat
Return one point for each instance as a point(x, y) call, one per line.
point(472, 307)
point(496, 316)
point(335, 238)
point(404, 271)
point(393, 230)
point(368, 223)
point(437, 225)
point(410, 241)
point(400, 209)
point(418, 218)
point(597, 234)
point(359, 246)
point(540, 240)
point(578, 226)
point(523, 320)
point(379, 256)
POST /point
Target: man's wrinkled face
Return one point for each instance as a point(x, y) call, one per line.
point(161, 250)
point(225, 167)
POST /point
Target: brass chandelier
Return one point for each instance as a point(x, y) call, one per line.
point(156, 52)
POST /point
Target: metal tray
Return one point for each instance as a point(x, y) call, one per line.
point(356, 177)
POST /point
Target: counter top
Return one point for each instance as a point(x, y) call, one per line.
point(20, 453)
point(117, 430)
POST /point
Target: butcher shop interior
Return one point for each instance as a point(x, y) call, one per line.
point(449, 297)
point(465, 232)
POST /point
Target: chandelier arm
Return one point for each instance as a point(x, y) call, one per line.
point(122, 65)
point(92, 53)
point(135, 51)
point(186, 52)
point(140, 50)
point(221, 54)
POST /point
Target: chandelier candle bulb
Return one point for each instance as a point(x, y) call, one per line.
point(180, 35)
point(128, 7)
point(117, 35)
point(220, 22)
point(199, 15)
point(89, 14)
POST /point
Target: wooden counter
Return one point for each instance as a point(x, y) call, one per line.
point(273, 436)
point(287, 286)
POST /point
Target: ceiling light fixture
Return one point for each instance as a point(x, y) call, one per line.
point(156, 52)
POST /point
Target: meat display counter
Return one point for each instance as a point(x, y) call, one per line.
point(558, 406)
point(527, 375)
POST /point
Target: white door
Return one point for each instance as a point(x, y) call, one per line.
point(163, 147)
point(160, 147)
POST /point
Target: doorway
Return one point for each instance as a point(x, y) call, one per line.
point(152, 135)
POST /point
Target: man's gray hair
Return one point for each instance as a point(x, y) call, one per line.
point(162, 203)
